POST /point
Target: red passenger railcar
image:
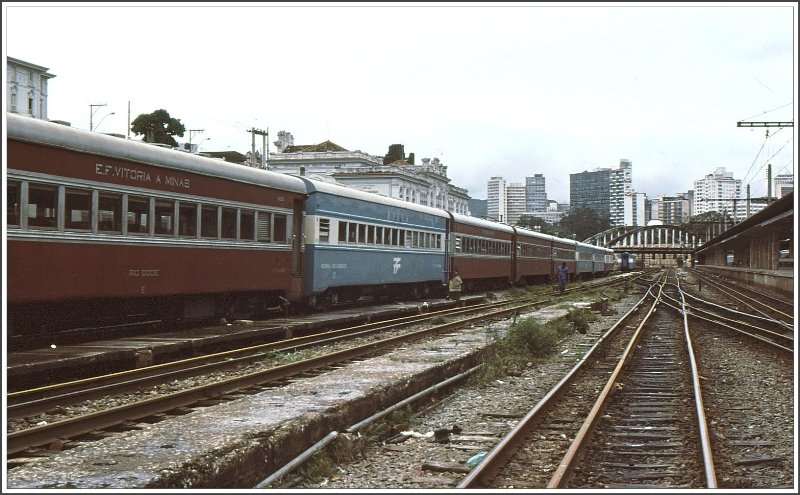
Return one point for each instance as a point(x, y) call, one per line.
point(116, 229)
point(480, 251)
point(534, 260)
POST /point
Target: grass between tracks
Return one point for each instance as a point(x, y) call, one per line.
point(526, 342)
point(529, 340)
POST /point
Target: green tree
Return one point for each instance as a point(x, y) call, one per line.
point(535, 223)
point(158, 127)
point(708, 224)
point(396, 152)
point(582, 222)
point(710, 216)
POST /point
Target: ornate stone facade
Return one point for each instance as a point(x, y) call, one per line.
point(27, 88)
point(426, 184)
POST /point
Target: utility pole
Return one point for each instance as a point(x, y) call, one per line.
point(769, 167)
point(264, 135)
point(748, 200)
point(191, 132)
point(769, 183)
point(92, 112)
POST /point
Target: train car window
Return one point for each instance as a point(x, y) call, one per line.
point(371, 234)
point(208, 221)
point(415, 239)
point(187, 220)
point(387, 236)
point(165, 217)
point(396, 239)
point(228, 223)
point(342, 232)
point(324, 230)
point(109, 213)
point(42, 203)
point(263, 223)
point(12, 202)
point(279, 228)
point(362, 233)
point(138, 215)
point(77, 209)
point(247, 225)
point(401, 238)
point(378, 235)
point(352, 232)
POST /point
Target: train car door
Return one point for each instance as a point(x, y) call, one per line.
point(297, 238)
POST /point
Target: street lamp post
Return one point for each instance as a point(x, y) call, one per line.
point(191, 133)
point(201, 142)
point(104, 118)
point(92, 111)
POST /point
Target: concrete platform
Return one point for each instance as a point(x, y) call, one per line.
point(238, 443)
point(92, 358)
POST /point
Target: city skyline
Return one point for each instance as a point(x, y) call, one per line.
point(517, 89)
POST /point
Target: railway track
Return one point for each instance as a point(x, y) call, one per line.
point(756, 327)
point(29, 402)
point(652, 432)
point(746, 395)
point(751, 300)
point(649, 401)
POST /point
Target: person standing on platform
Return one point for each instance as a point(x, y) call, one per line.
point(455, 287)
point(562, 276)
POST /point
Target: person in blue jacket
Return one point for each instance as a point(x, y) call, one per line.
point(562, 275)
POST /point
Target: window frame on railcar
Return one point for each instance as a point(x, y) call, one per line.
point(271, 224)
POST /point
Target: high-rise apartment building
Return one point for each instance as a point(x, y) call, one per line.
point(535, 193)
point(508, 201)
point(675, 209)
point(638, 209)
point(716, 192)
point(496, 206)
point(621, 205)
point(592, 190)
point(782, 184)
point(609, 192)
point(515, 202)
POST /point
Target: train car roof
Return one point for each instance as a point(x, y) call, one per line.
point(47, 133)
point(592, 246)
point(533, 233)
point(314, 185)
point(480, 222)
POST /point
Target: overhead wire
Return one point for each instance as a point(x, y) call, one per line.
point(768, 111)
point(730, 205)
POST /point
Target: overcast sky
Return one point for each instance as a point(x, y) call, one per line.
point(506, 90)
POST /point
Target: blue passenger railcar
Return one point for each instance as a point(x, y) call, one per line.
point(626, 261)
point(593, 261)
point(584, 260)
point(362, 244)
point(609, 263)
point(564, 251)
